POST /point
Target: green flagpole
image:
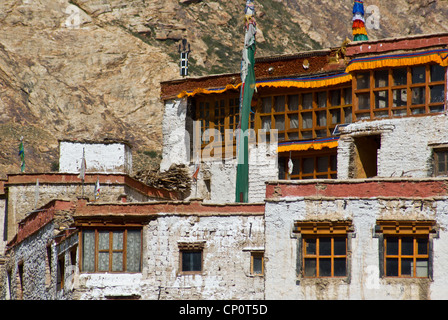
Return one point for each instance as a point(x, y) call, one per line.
point(247, 91)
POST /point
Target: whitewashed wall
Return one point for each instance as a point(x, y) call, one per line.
point(226, 261)
point(365, 282)
point(221, 173)
point(100, 157)
point(405, 144)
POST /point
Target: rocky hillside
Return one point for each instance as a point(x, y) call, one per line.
point(91, 68)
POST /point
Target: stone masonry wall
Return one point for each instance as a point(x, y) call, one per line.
point(364, 282)
point(228, 241)
point(405, 145)
point(221, 173)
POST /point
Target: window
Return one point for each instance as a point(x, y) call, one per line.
point(405, 248)
point(396, 92)
point(60, 273)
point(20, 279)
point(440, 164)
point(296, 115)
point(324, 249)
point(111, 250)
point(48, 266)
point(311, 165)
point(191, 257)
point(257, 263)
point(306, 115)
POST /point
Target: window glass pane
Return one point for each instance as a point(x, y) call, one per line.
point(321, 118)
point(437, 93)
point(310, 246)
point(257, 264)
point(347, 96)
point(406, 267)
point(335, 97)
point(400, 76)
point(418, 95)
point(335, 116)
point(325, 267)
point(117, 261)
point(363, 80)
point(437, 73)
point(418, 74)
point(293, 135)
point(333, 163)
point(324, 246)
point(103, 261)
point(363, 101)
point(279, 103)
point(381, 99)
point(103, 240)
point(340, 267)
point(422, 246)
point(88, 251)
point(307, 101)
point(293, 121)
point(339, 246)
point(308, 165)
point(266, 123)
point(322, 99)
point(117, 240)
point(392, 246)
point(322, 164)
point(391, 267)
point(399, 97)
point(407, 246)
point(348, 115)
point(133, 251)
point(381, 78)
point(293, 102)
point(422, 268)
point(321, 133)
point(307, 120)
point(296, 166)
point(266, 105)
point(280, 122)
point(191, 261)
point(310, 267)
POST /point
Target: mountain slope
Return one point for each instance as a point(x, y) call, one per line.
point(73, 69)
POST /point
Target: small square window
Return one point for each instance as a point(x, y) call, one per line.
point(257, 263)
point(191, 261)
point(440, 163)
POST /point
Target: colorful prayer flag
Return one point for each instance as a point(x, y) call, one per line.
point(358, 27)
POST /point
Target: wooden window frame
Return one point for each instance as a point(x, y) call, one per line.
point(206, 107)
point(110, 229)
point(189, 247)
point(283, 135)
point(436, 155)
point(253, 255)
point(318, 230)
point(329, 174)
point(388, 229)
point(400, 111)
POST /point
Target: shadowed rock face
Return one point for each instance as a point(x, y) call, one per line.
point(91, 69)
